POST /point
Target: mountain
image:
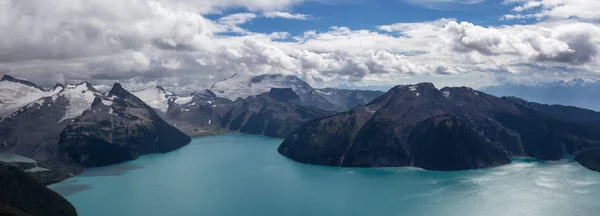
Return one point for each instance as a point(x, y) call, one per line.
point(347, 99)
point(67, 130)
point(243, 87)
point(198, 115)
point(33, 130)
point(22, 195)
point(447, 129)
point(576, 92)
point(276, 113)
point(118, 128)
point(16, 93)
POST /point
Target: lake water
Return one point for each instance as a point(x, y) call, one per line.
point(243, 175)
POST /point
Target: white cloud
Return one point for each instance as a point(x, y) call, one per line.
point(442, 4)
point(286, 15)
point(571, 43)
point(555, 9)
point(171, 43)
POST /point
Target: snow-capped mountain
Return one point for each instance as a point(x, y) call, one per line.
point(79, 126)
point(157, 98)
point(16, 93)
point(576, 92)
point(239, 86)
point(326, 99)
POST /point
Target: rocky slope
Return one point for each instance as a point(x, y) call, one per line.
point(21, 195)
point(118, 128)
point(447, 129)
point(275, 114)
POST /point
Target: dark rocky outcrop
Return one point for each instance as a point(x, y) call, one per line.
point(21, 195)
point(263, 114)
point(283, 94)
point(589, 159)
point(118, 128)
point(447, 129)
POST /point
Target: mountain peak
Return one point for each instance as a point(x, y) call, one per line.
point(118, 90)
point(58, 85)
point(8, 78)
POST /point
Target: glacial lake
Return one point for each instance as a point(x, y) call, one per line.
point(243, 175)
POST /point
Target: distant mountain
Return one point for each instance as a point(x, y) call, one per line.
point(16, 93)
point(347, 99)
point(198, 114)
point(326, 99)
point(447, 129)
point(22, 195)
point(576, 92)
point(276, 113)
point(68, 129)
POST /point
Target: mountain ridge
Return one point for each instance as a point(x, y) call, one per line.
point(401, 127)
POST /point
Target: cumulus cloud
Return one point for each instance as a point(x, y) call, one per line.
point(173, 43)
point(571, 43)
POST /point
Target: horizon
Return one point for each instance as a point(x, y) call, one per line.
point(106, 88)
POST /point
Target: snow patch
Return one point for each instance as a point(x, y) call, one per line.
point(13, 158)
point(324, 93)
point(37, 169)
point(183, 100)
point(446, 94)
point(80, 98)
point(156, 98)
point(107, 102)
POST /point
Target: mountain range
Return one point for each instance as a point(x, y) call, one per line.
point(445, 129)
point(69, 127)
point(576, 92)
point(63, 129)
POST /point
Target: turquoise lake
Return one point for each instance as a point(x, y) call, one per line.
point(243, 175)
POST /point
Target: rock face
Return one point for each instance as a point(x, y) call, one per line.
point(118, 128)
point(447, 129)
point(274, 114)
point(589, 159)
point(22, 195)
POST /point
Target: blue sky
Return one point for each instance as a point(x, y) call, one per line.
point(363, 14)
